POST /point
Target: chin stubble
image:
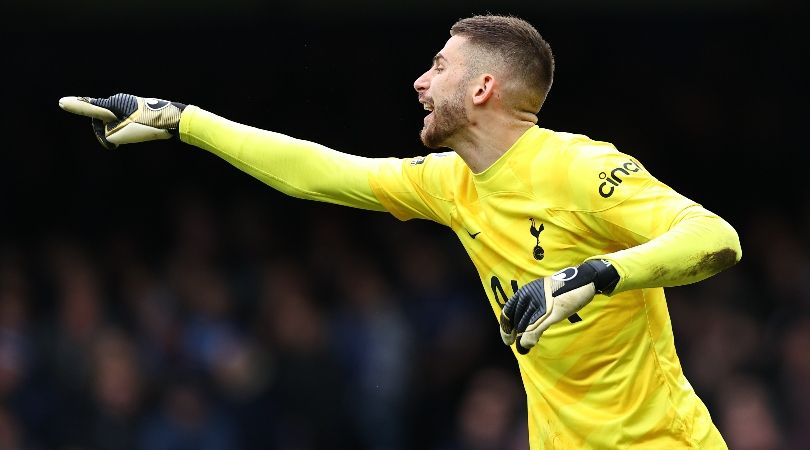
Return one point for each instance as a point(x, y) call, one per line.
point(448, 119)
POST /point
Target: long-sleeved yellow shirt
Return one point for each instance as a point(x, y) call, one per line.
point(613, 379)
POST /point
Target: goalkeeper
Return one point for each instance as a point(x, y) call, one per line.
point(572, 239)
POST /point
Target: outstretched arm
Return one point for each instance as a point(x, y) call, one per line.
point(295, 167)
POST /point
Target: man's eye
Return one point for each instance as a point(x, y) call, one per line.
point(438, 69)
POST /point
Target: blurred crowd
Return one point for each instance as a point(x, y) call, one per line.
point(247, 331)
point(332, 329)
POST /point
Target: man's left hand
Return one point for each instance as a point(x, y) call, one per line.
point(546, 301)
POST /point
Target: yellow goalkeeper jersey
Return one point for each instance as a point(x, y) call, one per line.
point(607, 378)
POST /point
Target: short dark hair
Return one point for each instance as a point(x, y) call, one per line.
point(521, 49)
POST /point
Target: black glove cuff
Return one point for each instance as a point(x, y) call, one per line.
point(175, 132)
point(606, 276)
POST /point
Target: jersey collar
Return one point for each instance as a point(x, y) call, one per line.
point(530, 139)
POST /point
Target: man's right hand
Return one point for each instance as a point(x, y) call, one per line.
point(125, 118)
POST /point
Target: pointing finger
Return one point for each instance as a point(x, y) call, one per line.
point(83, 106)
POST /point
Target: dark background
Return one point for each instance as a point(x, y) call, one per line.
point(154, 297)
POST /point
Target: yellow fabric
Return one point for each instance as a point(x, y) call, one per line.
point(611, 380)
point(296, 167)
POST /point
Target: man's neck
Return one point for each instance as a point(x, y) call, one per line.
point(483, 144)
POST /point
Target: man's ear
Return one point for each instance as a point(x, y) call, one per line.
point(484, 87)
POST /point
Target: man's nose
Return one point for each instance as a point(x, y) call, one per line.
point(422, 83)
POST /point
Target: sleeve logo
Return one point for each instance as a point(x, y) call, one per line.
point(613, 180)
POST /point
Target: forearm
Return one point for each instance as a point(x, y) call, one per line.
point(295, 167)
point(699, 245)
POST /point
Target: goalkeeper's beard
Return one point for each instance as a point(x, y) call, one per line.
point(446, 120)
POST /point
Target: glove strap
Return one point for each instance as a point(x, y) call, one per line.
point(606, 277)
point(175, 132)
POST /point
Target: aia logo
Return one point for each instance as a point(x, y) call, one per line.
point(611, 182)
point(538, 251)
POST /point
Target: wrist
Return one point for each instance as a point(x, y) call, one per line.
point(175, 132)
point(605, 276)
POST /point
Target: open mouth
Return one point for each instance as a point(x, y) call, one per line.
point(426, 104)
point(428, 107)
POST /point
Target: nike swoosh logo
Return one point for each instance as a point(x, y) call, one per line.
point(473, 235)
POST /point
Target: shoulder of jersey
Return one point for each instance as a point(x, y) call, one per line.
point(572, 145)
point(591, 173)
